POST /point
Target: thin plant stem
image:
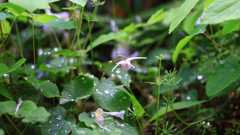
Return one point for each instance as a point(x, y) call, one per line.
point(90, 37)
point(19, 42)
point(114, 10)
point(158, 95)
point(14, 126)
point(56, 38)
point(140, 126)
point(34, 48)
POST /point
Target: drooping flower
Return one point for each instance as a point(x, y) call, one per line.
point(117, 114)
point(126, 63)
point(99, 119)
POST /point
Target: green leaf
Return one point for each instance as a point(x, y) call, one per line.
point(58, 24)
point(207, 3)
point(77, 89)
point(56, 123)
point(230, 26)
point(32, 113)
point(4, 69)
point(156, 17)
point(220, 11)
point(110, 98)
point(48, 89)
point(113, 127)
point(31, 5)
point(7, 107)
point(5, 93)
point(105, 38)
point(6, 28)
point(176, 106)
point(223, 76)
point(181, 13)
point(43, 67)
point(80, 2)
point(179, 47)
point(17, 64)
point(229, 89)
point(45, 18)
point(136, 105)
point(38, 115)
point(12, 7)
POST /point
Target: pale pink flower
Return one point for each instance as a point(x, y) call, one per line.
point(126, 63)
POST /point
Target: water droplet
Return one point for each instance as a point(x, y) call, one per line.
point(50, 122)
point(57, 125)
point(69, 95)
point(199, 77)
point(59, 117)
point(49, 130)
point(106, 91)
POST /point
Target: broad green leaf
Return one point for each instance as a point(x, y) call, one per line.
point(156, 17)
point(110, 98)
point(105, 38)
point(4, 69)
point(220, 11)
point(45, 18)
point(56, 123)
point(176, 106)
point(6, 28)
point(48, 89)
point(223, 76)
point(207, 3)
point(77, 89)
point(230, 26)
point(136, 105)
point(112, 126)
point(31, 5)
point(5, 93)
point(65, 52)
point(190, 23)
point(229, 89)
point(80, 2)
point(26, 108)
point(43, 67)
point(58, 24)
point(17, 64)
point(7, 107)
point(179, 47)
point(12, 7)
point(181, 13)
point(69, 106)
point(38, 115)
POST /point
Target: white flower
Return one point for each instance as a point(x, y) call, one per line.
point(125, 64)
point(99, 118)
point(117, 114)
